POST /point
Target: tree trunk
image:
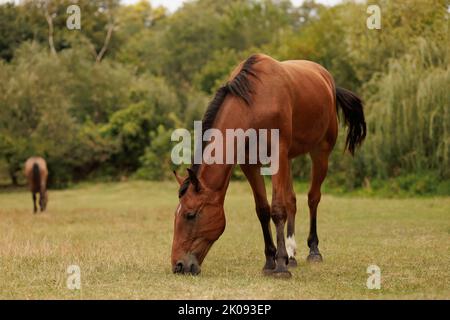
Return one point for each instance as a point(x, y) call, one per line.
point(106, 43)
point(51, 43)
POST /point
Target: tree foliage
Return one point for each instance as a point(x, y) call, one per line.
point(104, 103)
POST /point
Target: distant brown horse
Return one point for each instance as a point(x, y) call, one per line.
point(300, 99)
point(37, 174)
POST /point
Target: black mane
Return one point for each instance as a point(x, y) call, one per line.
point(239, 87)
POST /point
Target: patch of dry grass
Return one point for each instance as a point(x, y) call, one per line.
point(120, 235)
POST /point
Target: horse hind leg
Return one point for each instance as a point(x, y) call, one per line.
point(34, 202)
point(291, 207)
point(319, 172)
point(41, 201)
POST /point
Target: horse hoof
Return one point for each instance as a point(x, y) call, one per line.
point(267, 272)
point(314, 257)
point(292, 263)
point(269, 266)
point(281, 274)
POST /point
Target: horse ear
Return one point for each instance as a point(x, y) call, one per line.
point(179, 179)
point(194, 180)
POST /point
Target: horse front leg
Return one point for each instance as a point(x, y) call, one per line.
point(252, 172)
point(279, 213)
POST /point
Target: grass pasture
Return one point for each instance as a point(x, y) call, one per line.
point(120, 235)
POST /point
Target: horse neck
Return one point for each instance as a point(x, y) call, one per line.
point(216, 177)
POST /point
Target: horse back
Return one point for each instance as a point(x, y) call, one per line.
point(297, 97)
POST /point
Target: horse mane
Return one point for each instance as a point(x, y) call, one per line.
point(240, 87)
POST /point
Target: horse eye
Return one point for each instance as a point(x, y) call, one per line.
point(191, 215)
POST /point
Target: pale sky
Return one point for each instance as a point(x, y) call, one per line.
point(172, 5)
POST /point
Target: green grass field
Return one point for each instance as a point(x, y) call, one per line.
point(120, 235)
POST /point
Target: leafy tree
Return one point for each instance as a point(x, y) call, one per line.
point(102, 101)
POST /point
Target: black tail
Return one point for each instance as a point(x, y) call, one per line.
point(352, 108)
point(36, 176)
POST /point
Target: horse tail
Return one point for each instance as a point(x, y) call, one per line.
point(36, 176)
point(352, 108)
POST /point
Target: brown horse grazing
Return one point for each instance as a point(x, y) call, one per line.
point(300, 99)
point(37, 174)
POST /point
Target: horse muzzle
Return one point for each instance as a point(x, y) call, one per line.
point(188, 265)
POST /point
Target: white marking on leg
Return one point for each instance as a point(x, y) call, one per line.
point(291, 246)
